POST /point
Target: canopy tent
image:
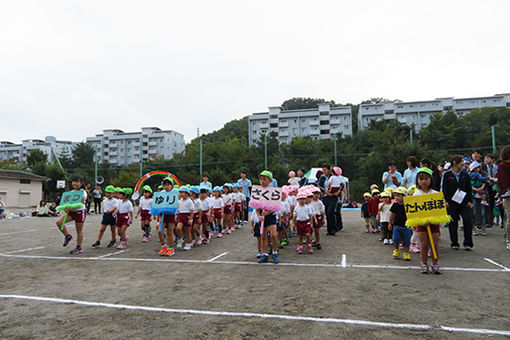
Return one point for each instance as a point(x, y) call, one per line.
point(310, 175)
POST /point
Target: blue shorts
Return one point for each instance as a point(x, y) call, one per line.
point(402, 234)
point(108, 219)
point(256, 230)
point(270, 220)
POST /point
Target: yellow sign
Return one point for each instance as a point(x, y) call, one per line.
point(423, 209)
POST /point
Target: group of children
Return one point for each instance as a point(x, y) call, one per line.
point(384, 212)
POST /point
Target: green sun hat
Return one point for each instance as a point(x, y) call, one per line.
point(118, 189)
point(109, 188)
point(267, 173)
point(425, 170)
point(147, 188)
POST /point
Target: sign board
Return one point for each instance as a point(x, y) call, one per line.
point(423, 209)
point(61, 184)
point(71, 199)
point(165, 199)
point(268, 198)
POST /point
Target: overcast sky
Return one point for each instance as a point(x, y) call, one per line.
point(73, 68)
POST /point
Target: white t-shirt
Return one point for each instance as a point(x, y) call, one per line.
point(293, 201)
point(185, 206)
point(318, 207)
point(205, 204)
point(254, 217)
point(145, 203)
point(294, 181)
point(284, 209)
point(197, 205)
point(125, 207)
point(238, 197)
point(109, 204)
point(227, 199)
point(84, 197)
point(385, 212)
point(302, 213)
point(420, 192)
point(335, 181)
point(217, 203)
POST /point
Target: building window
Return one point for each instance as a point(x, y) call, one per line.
point(324, 122)
point(273, 116)
point(324, 132)
point(24, 181)
point(346, 127)
point(273, 125)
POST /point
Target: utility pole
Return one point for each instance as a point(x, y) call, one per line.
point(141, 157)
point(334, 148)
point(411, 135)
point(265, 151)
point(95, 165)
point(493, 132)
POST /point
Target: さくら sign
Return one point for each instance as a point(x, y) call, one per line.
point(268, 198)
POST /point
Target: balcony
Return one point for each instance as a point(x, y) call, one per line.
point(264, 126)
point(153, 143)
point(284, 124)
point(283, 134)
point(314, 122)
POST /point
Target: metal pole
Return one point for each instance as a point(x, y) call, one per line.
point(334, 147)
point(493, 131)
point(265, 151)
point(95, 165)
point(411, 135)
point(141, 158)
point(200, 156)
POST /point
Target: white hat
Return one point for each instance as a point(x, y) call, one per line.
point(447, 165)
point(474, 165)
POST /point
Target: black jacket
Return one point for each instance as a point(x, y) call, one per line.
point(450, 186)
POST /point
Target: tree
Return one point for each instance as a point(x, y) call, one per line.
point(83, 154)
point(36, 156)
point(298, 103)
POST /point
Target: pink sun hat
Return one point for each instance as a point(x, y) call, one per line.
point(301, 195)
point(292, 174)
point(337, 170)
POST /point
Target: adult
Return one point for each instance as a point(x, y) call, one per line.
point(411, 172)
point(476, 155)
point(41, 210)
point(342, 198)
point(330, 202)
point(245, 184)
point(97, 194)
point(88, 200)
point(436, 176)
point(205, 182)
point(302, 179)
point(504, 189)
point(392, 178)
point(456, 187)
point(321, 181)
point(492, 170)
point(293, 180)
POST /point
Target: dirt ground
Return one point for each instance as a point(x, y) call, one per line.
point(353, 277)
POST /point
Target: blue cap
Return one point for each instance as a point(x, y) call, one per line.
point(184, 189)
point(227, 185)
point(195, 189)
point(210, 190)
point(217, 188)
point(467, 160)
point(236, 186)
point(203, 187)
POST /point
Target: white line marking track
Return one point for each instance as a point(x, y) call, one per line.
point(283, 264)
point(497, 264)
point(365, 323)
point(217, 257)
point(23, 250)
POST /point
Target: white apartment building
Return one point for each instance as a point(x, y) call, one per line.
point(320, 123)
point(418, 113)
point(50, 144)
point(121, 148)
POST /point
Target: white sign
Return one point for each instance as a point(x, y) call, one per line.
point(459, 196)
point(61, 184)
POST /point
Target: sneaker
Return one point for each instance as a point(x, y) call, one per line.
point(280, 245)
point(455, 247)
point(435, 269)
point(263, 258)
point(276, 259)
point(170, 252)
point(407, 257)
point(429, 253)
point(391, 241)
point(179, 243)
point(381, 239)
point(285, 242)
point(414, 249)
point(145, 239)
point(193, 243)
point(396, 253)
point(484, 202)
point(206, 241)
point(467, 248)
point(97, 244)
point(259, 254)
point(187, 246)
point(111, 244)
point(318, 246)
point(122, 245)
point(229, 231)
point(483, 232)
point(309, 249)
point(220, 235)
point(386, 241)
point(373, 231)
point(424, 268)
point(508, 246)
point(127, 239)
point(163, 250)
point(76, 250)
point(199, 241)
point(300, 250)
point(67, 239)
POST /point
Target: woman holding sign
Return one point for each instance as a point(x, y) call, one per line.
point(74, 211)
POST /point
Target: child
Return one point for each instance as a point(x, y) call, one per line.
point(397, 223)
point(269, 220)
point(238, 201)
point(383, 216)
point(167, 248)
point(206, 213)
point(373, 208)
point(282, 217)
point(124, 218)
point(365, 214)
point(218, 208)
point(255, 230)
point(197, 216)
point(424, 184)
point(143, 209)
point(320, 215)
point(302, 220)
point(479, 198)
point(227, 202)
point(498, 205)
point(77, 215)
point(293, 203)
point(184, 218)
point(109, 212)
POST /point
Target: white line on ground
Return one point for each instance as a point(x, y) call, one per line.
point(344, 261)
point(26, 231)
point(22, 250)
point(497, 264)
point(106, 255)
point(283, 264)
point(217, 257)
point(261, 315)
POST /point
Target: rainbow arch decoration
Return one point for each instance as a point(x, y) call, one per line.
point(154, 173)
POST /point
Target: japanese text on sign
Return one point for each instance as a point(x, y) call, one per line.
point(71, 197)
point(266, 195)
point(422, 209)
point(165, 199)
